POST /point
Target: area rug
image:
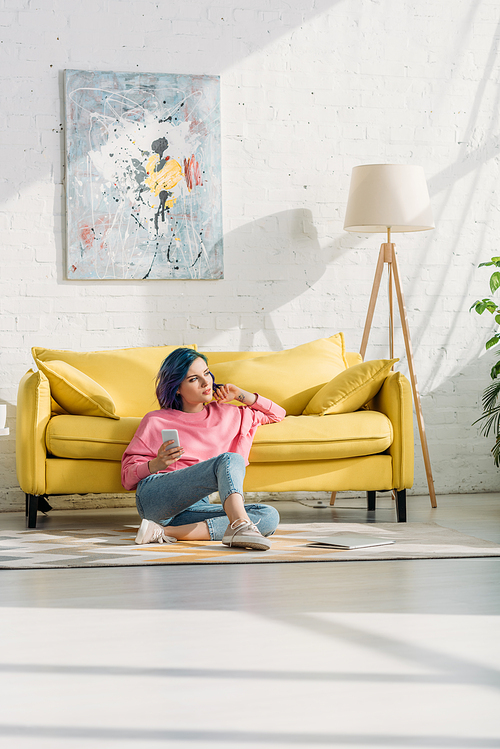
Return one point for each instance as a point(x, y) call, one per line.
point(32, 549)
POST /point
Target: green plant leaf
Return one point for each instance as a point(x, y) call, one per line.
point(482, 304)
point(495, 281)
point(491, 422)
point(495, 451)
point(495, 371)
point(492, 341)
point(491, 306)
point(479, 306)
point(490, 396)
point(493, 261)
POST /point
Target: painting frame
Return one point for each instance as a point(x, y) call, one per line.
point(143, 176)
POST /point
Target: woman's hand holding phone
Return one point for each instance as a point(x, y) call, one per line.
point(168, 453)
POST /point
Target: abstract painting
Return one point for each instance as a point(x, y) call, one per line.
point(143, 176)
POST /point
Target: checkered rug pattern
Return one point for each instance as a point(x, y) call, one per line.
point(46, 549)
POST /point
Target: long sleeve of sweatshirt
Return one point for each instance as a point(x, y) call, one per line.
point(219, 428)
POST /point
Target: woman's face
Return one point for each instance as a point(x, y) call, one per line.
point(196, 388)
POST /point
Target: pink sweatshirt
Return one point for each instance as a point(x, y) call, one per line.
point(219, 428)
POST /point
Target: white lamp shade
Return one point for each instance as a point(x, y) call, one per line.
point(388, 196)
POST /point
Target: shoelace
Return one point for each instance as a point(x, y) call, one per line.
point(158, 536)
point(243, 525)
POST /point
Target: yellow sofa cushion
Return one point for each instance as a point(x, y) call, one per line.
point(299, 438)
point(88, 438)
point(291, 377)
point(127, 375)
point(351, 389)
point(75, 392)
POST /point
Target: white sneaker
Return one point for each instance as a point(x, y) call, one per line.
point(246, 535)
point(152, 533)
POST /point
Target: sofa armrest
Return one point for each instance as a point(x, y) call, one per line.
point(33, 415)
point(394, 399)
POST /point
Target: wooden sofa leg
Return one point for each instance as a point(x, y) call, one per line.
point(371, 497)
point(31, 510)
point(332, 498)
point(400, 497)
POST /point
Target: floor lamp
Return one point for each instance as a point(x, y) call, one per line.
point(388, 198)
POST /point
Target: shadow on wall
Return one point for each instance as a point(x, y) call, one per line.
point(460, 455)
point(269, 263)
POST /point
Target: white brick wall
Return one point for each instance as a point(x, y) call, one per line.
point(307, 93)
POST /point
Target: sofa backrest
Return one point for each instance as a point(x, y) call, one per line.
point(129, 375)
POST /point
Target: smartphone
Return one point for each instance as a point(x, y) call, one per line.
point(170, 434)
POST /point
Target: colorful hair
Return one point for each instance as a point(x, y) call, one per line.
point(172, 373)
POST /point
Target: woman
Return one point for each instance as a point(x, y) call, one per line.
point(173, 483)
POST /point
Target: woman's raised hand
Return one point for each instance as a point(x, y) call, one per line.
point(227, 392)
point(230, 392)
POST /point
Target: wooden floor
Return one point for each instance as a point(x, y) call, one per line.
point(354, 654)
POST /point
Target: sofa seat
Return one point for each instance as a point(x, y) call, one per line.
point(295, 438)
point(299, 438)
point(90, 437)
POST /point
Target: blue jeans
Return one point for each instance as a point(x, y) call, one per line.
point(181, 497)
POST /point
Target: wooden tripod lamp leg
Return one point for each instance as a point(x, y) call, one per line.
point(413, 378)
point(373, 300)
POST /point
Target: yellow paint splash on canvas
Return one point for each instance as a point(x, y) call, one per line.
point(165, 179)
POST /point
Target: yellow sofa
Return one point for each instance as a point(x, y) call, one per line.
point(349, 425)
